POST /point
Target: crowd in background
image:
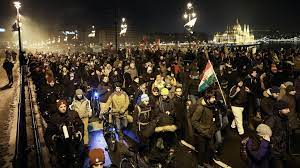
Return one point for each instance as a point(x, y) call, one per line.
point(155, 94)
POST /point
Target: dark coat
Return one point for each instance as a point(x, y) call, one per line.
point(291, 100)
point(238, 99)
point(57, 120)
point(203, 121)
point(105, 90)
point(258, 158)
point(267, 103)
point(280, 134)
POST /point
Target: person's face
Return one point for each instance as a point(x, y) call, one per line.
point(275, 95)
point(240, 84)
point(158, 78)
point(212, 99)
point(155, 93)
point(118, 89)
point(168, 85)
point(285, 111)
point(178, 92)
point(51, 83)
point(292, 92)
point(164, 97)
point(79, 96)
point(98, 165)
point(105, 79)
point(146, 102)
point(62, 108)
point(64, 69)
point(254, 74)
point(132, 65)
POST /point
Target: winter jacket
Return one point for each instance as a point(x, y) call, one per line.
point(142, 116)
point(267, 103)
point(166, 121)
point(203, 120)
point(57, 120)
point(82, 107)
point(258, 158)
point(292, 115)
point(105, 90)
point(280, 134)
point(238, 99)
point(119, 102)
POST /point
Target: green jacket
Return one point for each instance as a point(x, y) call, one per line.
point(203, 121)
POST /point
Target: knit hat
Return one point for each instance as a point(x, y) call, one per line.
point(164, 92)
point(289, 88)
point(288, 83)
point(78, 92)
point(144, 97)
point(263, 129)
point(280, 105)
point(96, 156)
point(60, 102)
point(275, 89)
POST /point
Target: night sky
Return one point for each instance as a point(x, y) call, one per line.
point(160, 15)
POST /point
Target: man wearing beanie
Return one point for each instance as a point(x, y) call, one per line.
point(64, 134)
point(280, 127)
point(82, 106)
point(96, 158)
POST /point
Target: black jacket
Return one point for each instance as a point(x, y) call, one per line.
point(70, 119)
point(238, 99)
point(280, 134)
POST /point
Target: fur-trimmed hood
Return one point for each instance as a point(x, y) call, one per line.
point(166, 128)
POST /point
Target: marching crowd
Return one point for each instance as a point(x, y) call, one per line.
point(156, 95)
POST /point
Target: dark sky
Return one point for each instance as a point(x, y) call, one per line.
point(160, 15)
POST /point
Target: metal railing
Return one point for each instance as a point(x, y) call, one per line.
point(20, 157)
point(38, 152)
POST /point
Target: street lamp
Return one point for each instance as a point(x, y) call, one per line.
point(190, 16)
point(123, 27)
point(17, 5)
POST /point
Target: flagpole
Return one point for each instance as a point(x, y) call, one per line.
point(218, 83)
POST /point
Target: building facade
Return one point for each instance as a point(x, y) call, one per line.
point(235, 35)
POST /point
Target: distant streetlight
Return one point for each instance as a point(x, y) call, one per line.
point(190, 16)
point(17, 5)
point(123, 27)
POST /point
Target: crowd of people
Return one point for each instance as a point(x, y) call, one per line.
point(156, 95)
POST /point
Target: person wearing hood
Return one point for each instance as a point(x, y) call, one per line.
point(204, 126)
point(238, 95)
point(82, 106)
point(267, 102)
point(279, 125)
point(258, 147)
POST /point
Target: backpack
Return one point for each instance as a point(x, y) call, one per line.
point(243, 149)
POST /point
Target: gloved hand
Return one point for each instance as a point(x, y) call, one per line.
point(54, 137)
point(78, 135)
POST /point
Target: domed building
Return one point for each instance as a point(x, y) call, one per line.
point(235, 35)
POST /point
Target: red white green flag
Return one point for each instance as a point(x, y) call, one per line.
point(208, 77)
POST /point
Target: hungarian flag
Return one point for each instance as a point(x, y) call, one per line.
point(208, 77)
